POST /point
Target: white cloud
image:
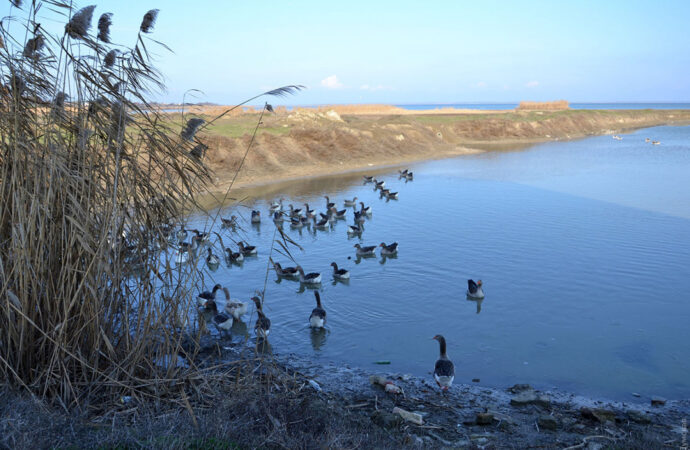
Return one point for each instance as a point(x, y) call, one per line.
point(532, 84)
point(481, 84)
point(331, 82)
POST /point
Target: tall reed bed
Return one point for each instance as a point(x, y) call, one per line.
point(92, 182)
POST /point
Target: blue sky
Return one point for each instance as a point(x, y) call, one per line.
point(419, 52)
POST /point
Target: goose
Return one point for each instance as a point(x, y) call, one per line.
point(360, 218)
point(208, 310)
point(338, 214)
point(352, 202)
point(367, 178)
point(276, 206)
point(310, 278)
point(208, 295)
point(340, 274)
point(402, 173)
point(256, 216)
point(229, 223)
point(656, 142)
point(182, 256)
point(365, 209)
point(474, 290)
point(211, 259)
point(365, 251)
point(278, 217)
point(246, 250)
point(297, 222)
point(262, 327)
point(391, 249)
point(308, 212)
point(355, 229)
point(223, 322)
point(182, 234)
point(234, 257)
point(317, 319)
point(647, 139)
point(235, 309)
point(329, 204)
point(295, 212)
point(444, 370)
point(201, 238)
point(322, 224)
point(379, 184)
point(384, 193)
point(287, 272)
point(391, 195)
point(409, 176)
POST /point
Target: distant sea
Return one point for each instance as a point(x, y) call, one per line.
point(504, 106)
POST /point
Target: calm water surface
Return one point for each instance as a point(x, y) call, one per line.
point(583, 247)
point(505, 106)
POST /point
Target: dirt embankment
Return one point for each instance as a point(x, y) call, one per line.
point(308, 142)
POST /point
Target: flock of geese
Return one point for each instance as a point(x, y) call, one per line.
point(232, 310)
point(647, 140)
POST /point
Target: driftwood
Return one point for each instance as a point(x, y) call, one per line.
point(409, 416)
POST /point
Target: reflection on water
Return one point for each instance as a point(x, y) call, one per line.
point(478, 302)
point(587, 278)
point(318, 337)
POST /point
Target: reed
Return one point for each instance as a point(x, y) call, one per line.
point(91, 182)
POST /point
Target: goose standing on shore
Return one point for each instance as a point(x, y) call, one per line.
point(474, 290)
point(317, 319)
point(246, 250)
point(340, 274)
point(223, 321)
point(444, 370)
point(310, 278)
point(235, 309)
point(262, 327)
point(365, 251)
point(388, 250)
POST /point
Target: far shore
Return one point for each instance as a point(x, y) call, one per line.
point(307, 144)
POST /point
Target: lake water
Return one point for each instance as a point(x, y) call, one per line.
point(583, 247)
point(505, 106)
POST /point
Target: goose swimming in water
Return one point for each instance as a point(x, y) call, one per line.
point(367, 178)
point(285, 272)
point(246, 250)
point(656, 142)
point(379, 184)
point(474, 290)
point(409, 176)
point(278, 217)
point(355, 229)
point(235, 309)
point(211, 259)
point(182, 255)
point(329, 203)
point(310, 278)
point(298, 222)
point(262, 327)
point(234, 257)
point(391, 195)
point(338, 214)
point(340, 274)
point(391, 249)
point(317, 319)
point(209, 295)
point(352, 202)
point(182, 234)
point(322, 224)
point(256, 216)
point(276, 206)
point(365, 251)
point(360, 218)
point(228, 223)
point(444, 370)
point(308, 212)
point(295, 212)
point(402, 173)
point(365, 209)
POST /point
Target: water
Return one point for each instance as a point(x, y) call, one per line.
point(582, 247)
point(506, 106)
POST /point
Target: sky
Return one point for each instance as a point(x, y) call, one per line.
point(406, 52)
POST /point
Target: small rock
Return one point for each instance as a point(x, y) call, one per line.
point(548, 422)
point(638, 417)
point(517, 388)
point(600, 414)
point(475, 380)
point(484, 419)
point(543, 400)
point(658, 401)
point(386, 420)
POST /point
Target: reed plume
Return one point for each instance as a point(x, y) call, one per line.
point(80, 23)
point(191, 128)
point(104, 23)
point(33, 47)
point(109, 59)
point(149, 21)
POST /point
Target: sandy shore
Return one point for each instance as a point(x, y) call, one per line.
point(306, 143)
